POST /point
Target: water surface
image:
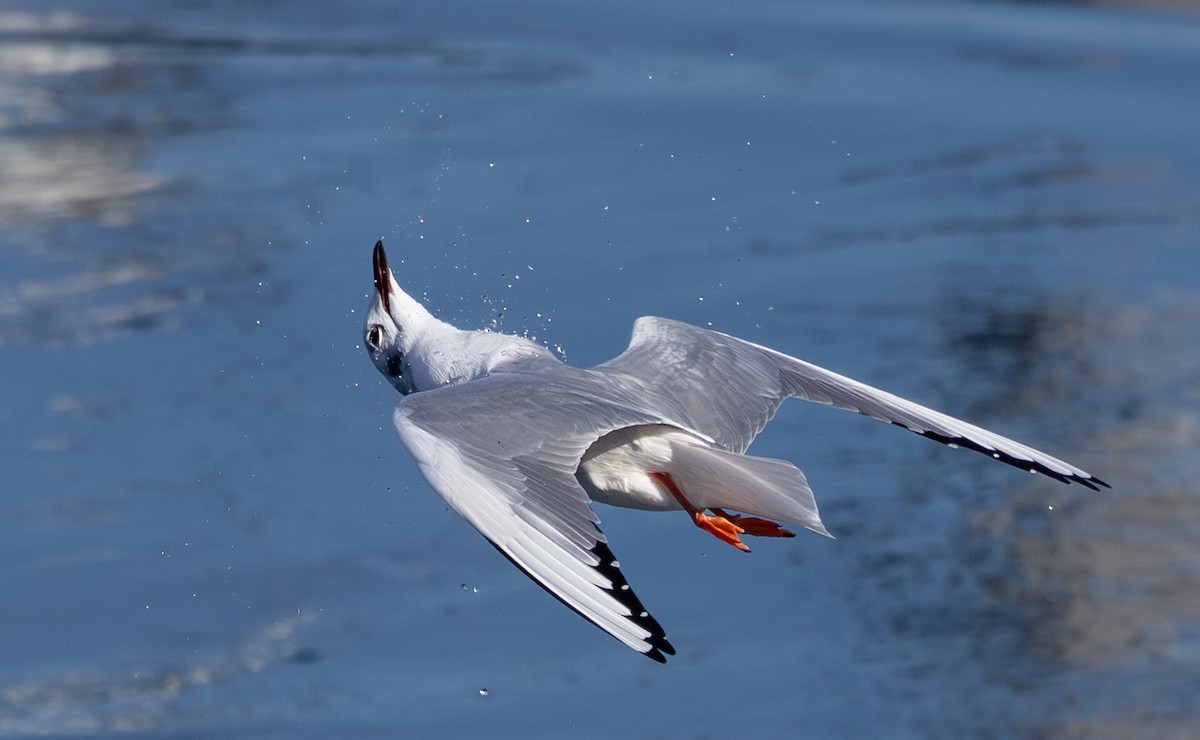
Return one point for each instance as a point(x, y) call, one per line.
point(207, 526)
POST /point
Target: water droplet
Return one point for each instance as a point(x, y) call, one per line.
point(484, 693)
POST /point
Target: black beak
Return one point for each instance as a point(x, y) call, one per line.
point(381, 275)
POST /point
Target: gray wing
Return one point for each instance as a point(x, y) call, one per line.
point(729, 389)
point(503, 451)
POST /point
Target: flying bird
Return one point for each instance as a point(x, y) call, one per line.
point(520, 443)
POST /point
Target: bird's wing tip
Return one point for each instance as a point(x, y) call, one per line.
point(659, 651)
point(1091, 482)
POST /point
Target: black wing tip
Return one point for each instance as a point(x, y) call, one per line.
point(656, 653)
point(611, 569)
point(658, 648)
point(1090, 481)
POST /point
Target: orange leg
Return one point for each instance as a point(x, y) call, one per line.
point(722, 525)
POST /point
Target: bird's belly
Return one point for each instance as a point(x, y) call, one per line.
point(616, 469)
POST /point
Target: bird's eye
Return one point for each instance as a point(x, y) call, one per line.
point(375, 338)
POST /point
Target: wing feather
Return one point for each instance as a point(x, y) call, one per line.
point(729, 389)
point(519, 489)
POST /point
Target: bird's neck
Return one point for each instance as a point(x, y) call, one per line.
point(444, 355)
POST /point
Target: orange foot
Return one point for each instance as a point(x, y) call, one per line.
point(721, 528)
point(752, 525)
point(724, 526)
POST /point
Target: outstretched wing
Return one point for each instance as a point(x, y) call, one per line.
point(729, 389)
point(503, 451)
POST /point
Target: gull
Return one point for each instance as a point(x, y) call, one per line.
point(520, 443)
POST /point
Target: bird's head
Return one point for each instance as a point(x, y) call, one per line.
point(392, 321)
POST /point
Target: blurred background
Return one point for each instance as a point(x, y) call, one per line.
point(208, 528)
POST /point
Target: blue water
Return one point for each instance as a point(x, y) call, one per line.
point(208, 528)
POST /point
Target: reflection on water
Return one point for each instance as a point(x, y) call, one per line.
point(69, 176)
point(1110, 581)
point(1079, 607)
point(60, 159)
point(147, 699)
point(76, 309)
point(85, 221)
point(1029, 185)
point(70, 138)
point(1029, 357)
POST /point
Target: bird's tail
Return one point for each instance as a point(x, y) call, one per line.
point(759, 486)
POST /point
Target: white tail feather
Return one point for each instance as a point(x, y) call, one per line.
point(759, 486)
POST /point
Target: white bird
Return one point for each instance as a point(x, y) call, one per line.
point(519, 443)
